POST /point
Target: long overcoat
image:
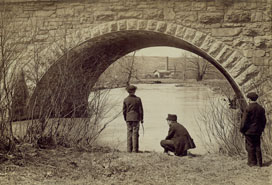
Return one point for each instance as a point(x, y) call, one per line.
point(253, 120)
point(181, 137)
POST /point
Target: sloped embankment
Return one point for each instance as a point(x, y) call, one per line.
point(70, 166)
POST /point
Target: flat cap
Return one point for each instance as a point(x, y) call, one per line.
point(131, 88)
point(253, 96)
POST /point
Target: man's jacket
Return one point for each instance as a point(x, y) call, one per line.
point(181, 137)
point(253, 121)
point(133, 108)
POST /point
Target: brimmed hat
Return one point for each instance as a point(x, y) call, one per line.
point(131, 88)
point(253, 96)
point(172, 117)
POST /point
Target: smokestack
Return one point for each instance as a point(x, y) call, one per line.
point(167, 63)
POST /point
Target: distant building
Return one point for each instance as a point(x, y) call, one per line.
point(163, 74)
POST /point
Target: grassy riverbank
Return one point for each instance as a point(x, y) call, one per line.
point(104, 166)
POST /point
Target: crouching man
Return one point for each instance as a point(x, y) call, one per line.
point(178, 139)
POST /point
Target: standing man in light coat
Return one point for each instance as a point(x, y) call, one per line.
point(133, 115)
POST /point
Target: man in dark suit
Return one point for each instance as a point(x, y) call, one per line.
point(178, 139)
point(133, 114)
point(252, 125)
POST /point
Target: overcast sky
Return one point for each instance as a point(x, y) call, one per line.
point(161, 51)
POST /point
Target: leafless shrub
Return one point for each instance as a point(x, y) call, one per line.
point(222, 121)
point(12, 48)
point(221, 128)
point(121, 73)
point(199, 66)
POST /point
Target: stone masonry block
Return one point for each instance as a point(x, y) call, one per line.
point(186, 17)
point(161, 26)
point(64, 12)
point(168, 13)
point(257, 16)
point(183, 5)
point(104, 16)
point(154, 14)
point(238, 16)
point(152, 25)
point(132, 24)
point(210, 18)
point(226, 32)
point(199, 5)
point(130, 15)
point(44, 13)
point(259, 53)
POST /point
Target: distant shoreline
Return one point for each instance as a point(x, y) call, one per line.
point(216, 85)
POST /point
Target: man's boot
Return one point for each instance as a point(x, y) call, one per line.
point(259, 158)
point(251, 159)
point(135, 144)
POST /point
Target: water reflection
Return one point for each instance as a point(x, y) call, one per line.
point(158, 100)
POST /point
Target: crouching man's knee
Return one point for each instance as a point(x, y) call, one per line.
point(162, 143)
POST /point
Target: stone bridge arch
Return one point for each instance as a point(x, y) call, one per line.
point(104, 44)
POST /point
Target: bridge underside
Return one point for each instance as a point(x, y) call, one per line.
point(64, 89)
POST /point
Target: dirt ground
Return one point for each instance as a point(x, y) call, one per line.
point(105, 166)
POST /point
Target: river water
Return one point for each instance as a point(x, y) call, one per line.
point(158, 101)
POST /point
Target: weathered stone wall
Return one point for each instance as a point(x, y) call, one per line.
point(242, 24)
point(217, 27)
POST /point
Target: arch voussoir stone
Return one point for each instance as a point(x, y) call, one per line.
point(205, 46)
point(199, 38)
point(215, 49)
point(152, 25)
point(122, 25)
point(96, 32)
point(161, 27)
point(142, 24)
point(104, 28)
point(231, 61)
point(113, 26)
point(189, 35)
point(251, 84)
point(180, 31)
point(171, 29)
point(132, 24)
point(239, 67)
point(224, 54)
point(248, 74)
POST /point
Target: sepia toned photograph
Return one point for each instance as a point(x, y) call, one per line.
point(135, 92)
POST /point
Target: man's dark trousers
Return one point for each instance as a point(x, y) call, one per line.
point(133, 136)
point(253, 147)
